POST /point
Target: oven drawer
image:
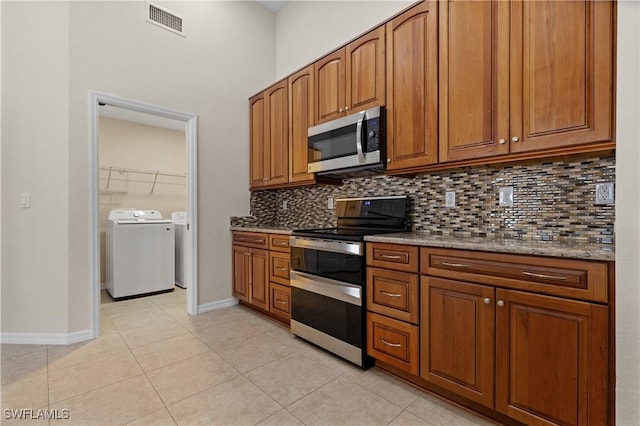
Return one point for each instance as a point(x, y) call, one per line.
point(280, 301)
point(393, 256)
point(579, 279)
point(393, 293)
point(279, 242)
point(251, 239)
point(394, 342)
point(279, 267)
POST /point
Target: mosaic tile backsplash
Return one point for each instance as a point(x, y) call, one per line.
point(552, 200)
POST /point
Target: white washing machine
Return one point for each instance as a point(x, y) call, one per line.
point(139, 252)
point(180, 221)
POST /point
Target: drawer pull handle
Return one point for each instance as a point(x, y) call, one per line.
point(391, 256)
point(251, 240)
point(280, 243)
point(550, 277)
point(282, 302)
point(390, 294)
point(393, 345)
point(455, 265)
point(281, 268)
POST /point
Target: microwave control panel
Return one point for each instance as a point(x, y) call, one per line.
point(372, 135)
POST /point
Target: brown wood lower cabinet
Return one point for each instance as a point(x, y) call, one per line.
point(251, 276)
point(393, 341)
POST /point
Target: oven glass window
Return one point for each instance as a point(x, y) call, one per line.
point(336, 318)
point(348, 268)
point(333, 144)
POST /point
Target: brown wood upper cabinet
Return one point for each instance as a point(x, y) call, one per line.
point(351, 79)
point(412, 88)
point(269, 137)
point(301, 117)
point(518, 77)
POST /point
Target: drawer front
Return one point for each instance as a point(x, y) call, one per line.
point(577, 279)
point(393, 256)
point(279, 242)
point(394, 342)
point(280, 301)
point(251, 239)
point(279, 267)
point(393, 293)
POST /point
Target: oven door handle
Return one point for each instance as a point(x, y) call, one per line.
point(345, 292)
point(332, 246)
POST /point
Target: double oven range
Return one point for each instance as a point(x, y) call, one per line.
point(328, 275)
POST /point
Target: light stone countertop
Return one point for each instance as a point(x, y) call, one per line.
point(270, 229)
point(574, 250)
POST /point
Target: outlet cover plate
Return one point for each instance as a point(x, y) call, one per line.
point(331, 203)
point(605, 194)
point(506, 196)
point(450, 199)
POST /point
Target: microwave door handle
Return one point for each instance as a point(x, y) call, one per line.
point(359, 138)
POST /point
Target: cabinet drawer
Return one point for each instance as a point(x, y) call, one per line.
point(579, 279)
point(393, 293)
point(280, 301)
point(279, 267)
point(251, 239)
point(279, 242)
point(393, 256)
point(394, 342)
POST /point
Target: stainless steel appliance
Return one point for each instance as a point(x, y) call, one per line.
point(328, 275)
point(348, 146)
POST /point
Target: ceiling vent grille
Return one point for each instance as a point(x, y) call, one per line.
point(164, 18)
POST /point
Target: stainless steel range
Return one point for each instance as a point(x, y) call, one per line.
point(328, 275)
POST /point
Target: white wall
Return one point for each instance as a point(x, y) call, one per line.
point(68, 49)
point(35, 159)
point(627, 215)
point(307, 30)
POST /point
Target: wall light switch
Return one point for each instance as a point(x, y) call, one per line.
point(285, 205)
point(506, 197)
point(450, 199)
point(25, 200)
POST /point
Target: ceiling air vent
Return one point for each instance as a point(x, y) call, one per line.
point(164, 18)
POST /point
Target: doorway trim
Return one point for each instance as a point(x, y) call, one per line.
point(191, 125)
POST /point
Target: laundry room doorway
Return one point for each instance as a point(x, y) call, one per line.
point(143, 159)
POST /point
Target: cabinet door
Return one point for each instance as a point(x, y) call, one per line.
point(551, 359)
point(259, 279)
point(329, 75)
point(365, 77)
point(259, 155)
point(457, 337)
point(277, 137)
point(241, 273)
point(561, 73)
point(412, 88)
point(301, 117)
point(474, 79)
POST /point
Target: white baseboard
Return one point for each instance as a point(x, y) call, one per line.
point(217, 305)
point(46, 338)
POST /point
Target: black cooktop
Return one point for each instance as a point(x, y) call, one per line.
point(358, 217)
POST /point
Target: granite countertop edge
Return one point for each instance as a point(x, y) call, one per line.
point(573, 250)
point(260, 228)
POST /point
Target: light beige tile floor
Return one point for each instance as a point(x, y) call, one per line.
point(156, 365)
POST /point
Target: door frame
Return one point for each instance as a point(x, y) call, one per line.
point(191, 125)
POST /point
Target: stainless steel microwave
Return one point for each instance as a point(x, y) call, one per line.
point(348, 145)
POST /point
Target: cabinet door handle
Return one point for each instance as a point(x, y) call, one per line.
point(502, 141)
point(515, 139)
point(346, 108)
point(500, 303)
point(393, 345)
point(341, 110)
point(486, 300)
point(454, 265)
point(390, 294)
point(391, 256)
point(550, 277)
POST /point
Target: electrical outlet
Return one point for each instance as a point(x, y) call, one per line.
point(330, 203)
point(605, 194)
point(450, 199)
point(285, 205)
point(506, 196)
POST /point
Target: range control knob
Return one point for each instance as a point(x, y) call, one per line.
point(372, 133)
